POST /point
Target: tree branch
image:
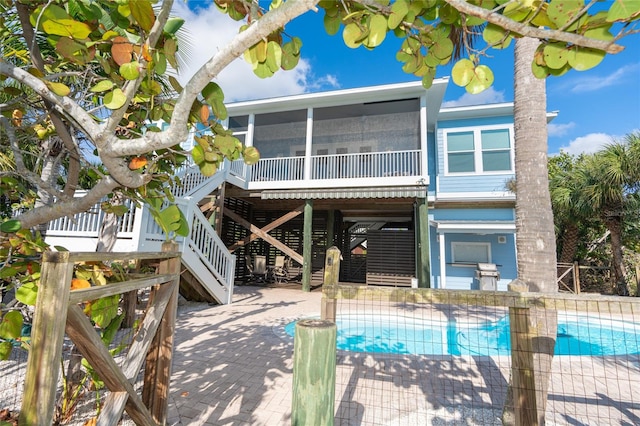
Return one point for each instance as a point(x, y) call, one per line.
point(68, 207)
point(534, 32)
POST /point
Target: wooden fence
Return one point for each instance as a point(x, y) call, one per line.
point(525, 310)
point(58, 311)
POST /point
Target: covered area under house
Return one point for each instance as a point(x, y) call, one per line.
point(375, 228)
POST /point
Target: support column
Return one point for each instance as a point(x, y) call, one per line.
point(331, 218)
point(307, 245)
point(423, 261)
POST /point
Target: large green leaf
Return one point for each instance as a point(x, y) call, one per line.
point(27, 293)
point(482, 80)
point(352, 35)
point(130, 70)
point(59, 89)
point(214, 96)
point(5, 351)
point(104, 310)
point(115, 99)
point(560, 12)
point(582, 59)
point(10, 226)
point(332, 24)
point(555, 55)
point(102, 86)
point(251, 155)
point(399, 10)
point(173, 25)
point(11, 325)
point(377, 31)
point(142, 12)
point(274, 56)
point(496, 36)
point(623, 9)
point(463, 72)
point(197, 153)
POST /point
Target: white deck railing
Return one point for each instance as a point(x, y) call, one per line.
point(338, 166)
point(87, 224)
point(366, 165)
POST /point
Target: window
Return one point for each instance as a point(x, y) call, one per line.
point(478, 151)
point(470, 253)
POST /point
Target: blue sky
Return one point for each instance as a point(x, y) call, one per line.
point(595, 107)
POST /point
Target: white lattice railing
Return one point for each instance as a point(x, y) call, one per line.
point(278, 169)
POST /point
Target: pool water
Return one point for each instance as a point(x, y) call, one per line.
point(577, 335)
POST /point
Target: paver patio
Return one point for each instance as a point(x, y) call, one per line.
point(233, 366)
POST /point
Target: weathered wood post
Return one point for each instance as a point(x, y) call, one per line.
point(49, 319)
point(157, 373)
point(330, 283)
point(314, 373)
point(576, 277)
point(307, 245)
point(523, 382)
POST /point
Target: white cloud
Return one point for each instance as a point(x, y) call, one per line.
point(489, 96)
point(592, 83)
point(559, 129)
point(209, 31)
point(589, 144)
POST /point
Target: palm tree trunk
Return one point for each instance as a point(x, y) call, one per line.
point(614, 225)
point(536, 243)
point(569, 242)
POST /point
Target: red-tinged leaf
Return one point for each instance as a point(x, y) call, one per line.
point(121, 50)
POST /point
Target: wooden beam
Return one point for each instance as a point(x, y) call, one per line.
point(81, 331)
point(43, 364)
point(283, 219)
point(422, 256)
point(268, 238)
point(157, 372)
point(220, 208)
point(307, 245)
point(115, 402)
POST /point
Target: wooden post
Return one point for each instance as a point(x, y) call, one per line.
point(423, 253)
point(331, 219)
point(49, 319)
point(637, 280)
point(522, 368)
point(307, 245)
point(314, 373)
point(219, 209)
point(157, 373)
point(576, 277)
point(331, 274)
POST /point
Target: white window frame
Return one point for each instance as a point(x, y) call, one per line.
point(457, 262)
point(477, 139)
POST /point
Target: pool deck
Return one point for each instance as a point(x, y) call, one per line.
point(233, 366)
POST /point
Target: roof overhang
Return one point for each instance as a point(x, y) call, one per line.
point(346, 193)
point(474, 226)
point(387, 92)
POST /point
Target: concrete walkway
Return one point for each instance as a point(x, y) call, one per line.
point(232, 364)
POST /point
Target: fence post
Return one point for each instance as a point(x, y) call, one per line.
point(331, 274)
point(314, 373)
point(576, 277)
point(49, 320)
point(157, 372)
point(522, 368)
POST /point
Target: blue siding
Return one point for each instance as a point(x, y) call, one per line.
point(475, 183)
point(474, 214)
point(469, 183)
point(463, 277)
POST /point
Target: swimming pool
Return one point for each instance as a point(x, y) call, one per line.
point(577, 335)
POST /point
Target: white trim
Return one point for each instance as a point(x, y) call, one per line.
point(308, 145)
point(477, 149)
point(473, 196)
point(443, 261)
point(424, 157)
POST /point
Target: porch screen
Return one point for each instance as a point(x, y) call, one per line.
point(279, 134)
point(379, 126)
